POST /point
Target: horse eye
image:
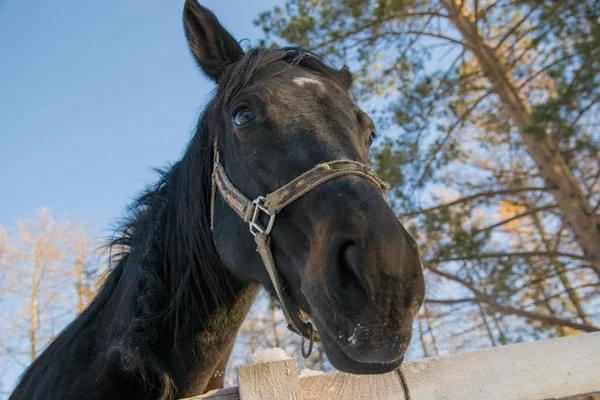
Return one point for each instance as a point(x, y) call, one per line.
point(372, 137)
point(242, 116)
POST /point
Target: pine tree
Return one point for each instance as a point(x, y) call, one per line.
point(489, 113)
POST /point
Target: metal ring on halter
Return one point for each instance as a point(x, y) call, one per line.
point(254, 224)
point(271, 204)
point(310, 344)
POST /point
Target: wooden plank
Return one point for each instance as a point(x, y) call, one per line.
point(547, 369)
point(356, 387)
point(276, 380)
point(230, 393)
point(561, 368)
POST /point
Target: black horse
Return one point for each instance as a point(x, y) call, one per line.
point(186, 266)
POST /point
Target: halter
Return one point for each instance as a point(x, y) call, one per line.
point(271, 204)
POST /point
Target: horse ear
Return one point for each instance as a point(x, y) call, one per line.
point(213, 47)
point(346, 77)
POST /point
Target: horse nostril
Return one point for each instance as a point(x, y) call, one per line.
point(348, 269)
point(349, 261)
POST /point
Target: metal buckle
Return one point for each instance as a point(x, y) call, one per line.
point(254, 223)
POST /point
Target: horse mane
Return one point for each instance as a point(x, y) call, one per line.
point(180, 199)
point(241, 73)
point(162, 253)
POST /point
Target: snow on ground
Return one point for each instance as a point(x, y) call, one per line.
point(310, 372)
point(274, 354)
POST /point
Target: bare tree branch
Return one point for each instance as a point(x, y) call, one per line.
point(506, 310)
point(491, 193)
point(524, 254)
point(417, 32)
point(516, 26)
point(374, 23)
point(451, 301)
point(545, 68)
point(449, 132)
point(518, 216)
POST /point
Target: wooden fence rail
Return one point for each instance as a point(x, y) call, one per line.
point(562, 368)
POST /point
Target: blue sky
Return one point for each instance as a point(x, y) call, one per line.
point(95, 94)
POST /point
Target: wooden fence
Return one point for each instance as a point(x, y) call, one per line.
point(565, 368)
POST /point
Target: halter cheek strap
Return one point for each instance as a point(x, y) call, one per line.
point(250, 211)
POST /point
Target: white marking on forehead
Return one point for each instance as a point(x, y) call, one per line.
point(301, 81)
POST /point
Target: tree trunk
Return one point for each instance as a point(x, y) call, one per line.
point(79, 270)
point(274, 323)
point(544, 151)
point(546, 301)
point(500, 330)
point(487, 326)
point(562, 276)
point(34, 314)
point(422, 337)
point(436, 350)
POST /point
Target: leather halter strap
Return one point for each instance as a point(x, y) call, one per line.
point(250, 211)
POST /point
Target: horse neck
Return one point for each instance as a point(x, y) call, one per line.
point(198, 358)
point(127, 345)
point(188, 350)
point(179, 270)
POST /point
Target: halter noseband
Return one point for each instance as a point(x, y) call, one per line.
point(271, 204)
